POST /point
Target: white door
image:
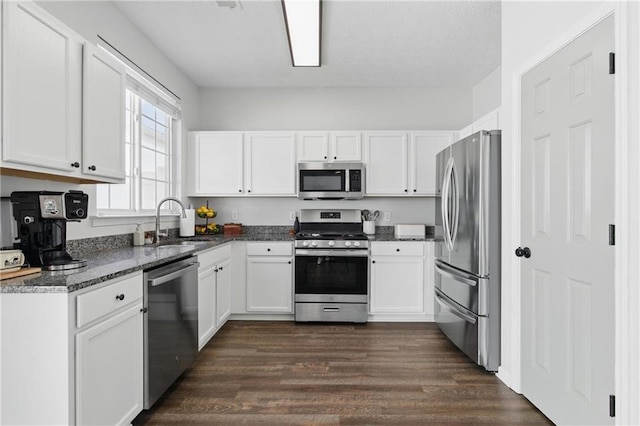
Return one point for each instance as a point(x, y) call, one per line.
point(271, 164)
point(269, 284)
point(386, 162)
point(206, 305)
point(215, 163)
point(223, 292)
point(424, 148)
point(567, 200)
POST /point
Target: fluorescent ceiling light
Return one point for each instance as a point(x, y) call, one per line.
point(303, 21)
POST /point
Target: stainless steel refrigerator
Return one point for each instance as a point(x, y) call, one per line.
point(467, 256)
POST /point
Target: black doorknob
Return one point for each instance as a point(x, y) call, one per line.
point(526, 252)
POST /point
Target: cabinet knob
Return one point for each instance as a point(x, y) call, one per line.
point(335, 158)
point(220, 269)
point(373, 261)
point(289, 262)
point(239, 190)
point(144, 310)
point(120, 296)
point(397, 249)
point(268, 249)
point(215, 270)
point(249, 190)
point(75, 164)
point(92, 168)
point(406, 190)
point(325, 157)
point(415, 190)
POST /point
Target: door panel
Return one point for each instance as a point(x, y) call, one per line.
point(567, 188)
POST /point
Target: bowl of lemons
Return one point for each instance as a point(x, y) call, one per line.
point(206, 212)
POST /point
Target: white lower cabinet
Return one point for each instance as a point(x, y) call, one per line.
point(109, 363)
point(398, 281)
point(75, 358)
point(214, 292)
point(270, 277)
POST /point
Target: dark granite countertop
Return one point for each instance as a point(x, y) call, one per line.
point(104, 265)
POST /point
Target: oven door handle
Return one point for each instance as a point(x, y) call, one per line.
point(334, 253)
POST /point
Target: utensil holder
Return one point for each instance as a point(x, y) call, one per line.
point(369, 227)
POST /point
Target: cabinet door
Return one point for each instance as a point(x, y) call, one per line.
point(223, 293)
point(313, 146)
point(346, 146)
point(391, 294)
point(386, 158)
point(103, 138)
point(206, 305)
point(215, 163)
point(271, 164)
point(109, 364)
point(424, 148)
point(269, 284)
point(41, 79)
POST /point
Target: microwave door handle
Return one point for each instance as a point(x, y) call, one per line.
point(347, 180)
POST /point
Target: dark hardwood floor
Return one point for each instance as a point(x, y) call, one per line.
point(279, 373)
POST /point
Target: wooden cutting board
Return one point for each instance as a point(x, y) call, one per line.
point(20, 273)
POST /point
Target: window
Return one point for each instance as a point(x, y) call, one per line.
point(149, 159)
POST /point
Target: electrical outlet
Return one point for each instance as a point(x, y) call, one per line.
point(292, 216)
point(387, 216)
point(234, 214)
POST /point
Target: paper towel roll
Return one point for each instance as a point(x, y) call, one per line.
point(188, 224)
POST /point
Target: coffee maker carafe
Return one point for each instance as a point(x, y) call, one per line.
point(42, 218)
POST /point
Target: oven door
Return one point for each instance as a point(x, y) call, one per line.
point(331, 275)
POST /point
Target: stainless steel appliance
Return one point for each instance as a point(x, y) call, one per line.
point(467, 264)
point(330, 181)
point(42, 218)
point(170, 325)
point(331, 267)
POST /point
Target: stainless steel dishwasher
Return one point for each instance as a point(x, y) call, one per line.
point(170, 324)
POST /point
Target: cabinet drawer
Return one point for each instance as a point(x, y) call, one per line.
point(105, 300)
point(269, 249)
point(397, 249)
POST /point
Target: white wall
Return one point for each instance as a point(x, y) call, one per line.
point(98, 17)
point(336, 109)
point(487, 94)
point(527, 28)
point(275, 211)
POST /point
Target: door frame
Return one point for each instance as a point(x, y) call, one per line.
point(627, 208)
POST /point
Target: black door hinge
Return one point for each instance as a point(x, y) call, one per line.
point(612, 405)
point(612, 235)
point(612, 63)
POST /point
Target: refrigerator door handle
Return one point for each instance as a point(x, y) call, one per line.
point(446, 188)
point(454, 274)
point(460, 312)
point(456, 203)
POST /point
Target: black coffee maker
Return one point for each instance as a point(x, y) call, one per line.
point(42, 218)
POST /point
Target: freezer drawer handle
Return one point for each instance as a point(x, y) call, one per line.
point(331, 308)
point(454, 274)
point(454, 309)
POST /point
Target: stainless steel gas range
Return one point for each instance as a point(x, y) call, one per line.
point(331, 267)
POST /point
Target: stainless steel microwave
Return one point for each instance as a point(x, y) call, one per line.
point(332, 181)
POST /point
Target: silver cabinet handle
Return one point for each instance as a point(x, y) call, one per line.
point(173, 275)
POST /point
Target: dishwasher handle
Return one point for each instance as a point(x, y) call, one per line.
point(172, 275)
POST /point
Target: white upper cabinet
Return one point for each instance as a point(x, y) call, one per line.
point(424, 146)
point(270, 163)
point(403, 164)
point(103, 133)
point(215, 163)
point(42, 63)
point(330, 146)
point(386, 163)
point(61, 117)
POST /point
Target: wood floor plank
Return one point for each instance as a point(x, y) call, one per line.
point(280, 373)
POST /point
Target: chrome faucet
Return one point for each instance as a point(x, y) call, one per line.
point(158, 233)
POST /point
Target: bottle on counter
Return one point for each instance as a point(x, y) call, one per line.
point(138, 236)
point(296, 225)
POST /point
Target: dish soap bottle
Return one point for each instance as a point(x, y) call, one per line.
point(138, 236)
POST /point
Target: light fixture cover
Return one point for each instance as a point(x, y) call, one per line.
point(303, 20)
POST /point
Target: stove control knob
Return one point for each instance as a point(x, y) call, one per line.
point(356, 243)
point(347, 243)
point(305, 243)
point(332, 243)
point(314, 243)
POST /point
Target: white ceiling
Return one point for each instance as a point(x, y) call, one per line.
point(379, 43)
